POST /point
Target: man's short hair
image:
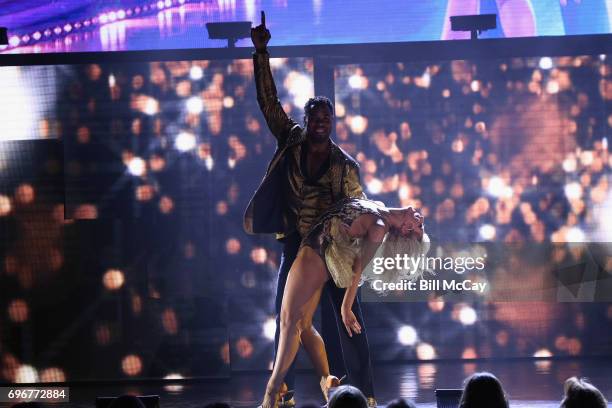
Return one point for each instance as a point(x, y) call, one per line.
point(317, 101)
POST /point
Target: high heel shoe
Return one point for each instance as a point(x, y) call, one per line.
point(273, 400)
point(327, 383)
point(269, 401)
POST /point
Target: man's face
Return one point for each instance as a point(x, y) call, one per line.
point(319, 124)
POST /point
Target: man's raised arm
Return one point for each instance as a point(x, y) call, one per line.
point(280, 124)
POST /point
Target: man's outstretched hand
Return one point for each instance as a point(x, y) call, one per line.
point(260, 35)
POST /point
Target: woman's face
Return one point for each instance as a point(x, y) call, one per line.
point(411, 224)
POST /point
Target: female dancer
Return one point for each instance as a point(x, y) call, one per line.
point(339, 244)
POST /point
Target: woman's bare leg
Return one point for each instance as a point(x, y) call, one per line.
point(302, 291)
point(313, 343)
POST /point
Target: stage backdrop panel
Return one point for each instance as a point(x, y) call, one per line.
point(123, 253)
point(121, 25)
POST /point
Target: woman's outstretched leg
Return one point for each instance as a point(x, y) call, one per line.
point(302, 291)
point(315, 347)
point(313, 342)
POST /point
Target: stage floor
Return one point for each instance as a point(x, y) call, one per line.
point(529, 384)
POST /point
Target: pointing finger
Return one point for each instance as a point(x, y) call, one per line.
point(263, 18)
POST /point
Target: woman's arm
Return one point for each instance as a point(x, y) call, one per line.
point(346, 311)
point(373, 231)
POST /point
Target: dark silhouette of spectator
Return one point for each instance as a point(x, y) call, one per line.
point(483, 390)
point(347, 396)
point(580, 393)
point(310, 405)
point(401, 403)
point(218, 405)
point(127, 401)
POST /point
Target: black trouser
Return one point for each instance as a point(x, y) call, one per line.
point(347, 355)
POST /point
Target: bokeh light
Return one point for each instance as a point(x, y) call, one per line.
point(269, 328)
point(170, 321)
point(103, 334)
point(5, 205)
point(26, 374)
point(195, 105)
point(52, 374)
point(425, 351)
point(358, 124)
point(300, 86)
point(487, 232)
point(137, 166)
point(113, 279)
point(185, 141)
point(543, 353)
point(259, 255)
point(407, 336)
point(467, 315)
point(131, 365)
point(18, 311)
point(166, 205)
point(469, 353)
point(232, 246)
point(24, 194)
point(174, 388)
point(244, 347)
point(546, 63)
point(196, 73)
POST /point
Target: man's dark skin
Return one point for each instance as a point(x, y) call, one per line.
point(320, 121)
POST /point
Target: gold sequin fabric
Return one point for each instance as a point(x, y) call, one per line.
point(329, 239)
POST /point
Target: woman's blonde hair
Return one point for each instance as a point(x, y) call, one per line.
point(395, 244)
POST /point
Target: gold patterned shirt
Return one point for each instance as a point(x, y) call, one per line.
point(308, 196)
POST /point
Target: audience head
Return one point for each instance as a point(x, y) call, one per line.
point(347, 396)
point(127, 401)
point(218, 405)
point(483, 390)
point(310, 405)
point(579, 393)
point(401, 403)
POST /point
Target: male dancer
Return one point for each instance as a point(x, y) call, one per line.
point(307, 174)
